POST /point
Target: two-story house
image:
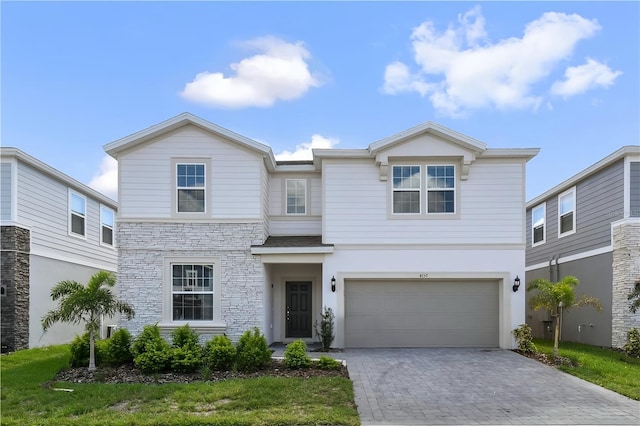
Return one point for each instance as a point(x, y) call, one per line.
point(589, 227)
point(54, 228)
point(417, 240)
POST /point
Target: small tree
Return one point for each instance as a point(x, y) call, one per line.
point(634, 296)
point(556, 298)
point(324, 329)
point(86, 304)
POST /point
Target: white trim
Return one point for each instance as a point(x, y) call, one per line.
point(55, 255)
point(170, 220)
point(571, 258)
point(315, 258)
point(452, 246)
point(454, 190)
point(286, 196)
point(14, 187)
point(14, 223)
point(70, 214)
point(627, 183)
point(177, 163)
point(291, 250)
point(418, 190)
point(544, 225)
point(113, 227)
point(571, 191)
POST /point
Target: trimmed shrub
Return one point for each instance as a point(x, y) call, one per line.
point(295, 355)
point(328, 363)
point(525, 339)
point(632, 347)
point(186, 352)
point(253, 353)
point(118, 347)
point(80, 351)
point(151, 353)
point(219, 353)
point(324, 328)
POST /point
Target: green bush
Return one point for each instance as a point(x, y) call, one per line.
point(525, 339)
point(118, 347)
point(632, 347)
point(324, 329)
point(295, 355)
point(219, 353)
point(186, 351)
point(252, 351)
point(80, 351)
point(151, 353)
point(328, 363)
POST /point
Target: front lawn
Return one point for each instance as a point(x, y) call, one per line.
point(605, 367)
point(28, 398)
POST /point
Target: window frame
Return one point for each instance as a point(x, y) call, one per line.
point(453, 190)
point(72, 212)
point(535, 243)
point(418, 190)
point(168, 291)
point(177, 161)
point(103, 225)
point(568, 193)
point(286, 196)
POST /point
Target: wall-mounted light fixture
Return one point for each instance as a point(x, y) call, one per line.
point(516, 284)
point(333, 284)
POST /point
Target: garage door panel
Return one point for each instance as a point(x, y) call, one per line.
point(421, 314)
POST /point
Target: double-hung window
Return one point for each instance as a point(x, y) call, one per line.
point(191, 187)
point(538, 219)
point(77, 214)
point(406, 187)
point(567, 213)
point(107, 223)
point(441, 189)
point(296, 196)
point(192, 292)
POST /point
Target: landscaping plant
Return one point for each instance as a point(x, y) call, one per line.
point(557, 298)
point(295, 355)
point(86, 304)
point(632, 347)
point(219, 353)
point(325, 328)
point(151, 353)
point(118, 347)
point(186, 350)
point(328, 363)
point(80, 351)
point(525, 339)
point(252, 351)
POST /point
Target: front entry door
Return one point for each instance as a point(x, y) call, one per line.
point(298, 309)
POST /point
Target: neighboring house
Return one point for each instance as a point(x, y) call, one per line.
point(53, 228)
point(414, 241)
point(589, 227)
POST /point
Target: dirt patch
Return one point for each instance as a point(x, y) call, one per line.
point(130, 374)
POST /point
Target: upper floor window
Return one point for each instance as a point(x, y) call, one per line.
point(567, 212)
point(77, 214)
point(441, 189)
point(107, 222)
point(538, 219)
point(406, 189)
point(192, 292)
point(190, 186)
point(296, 196)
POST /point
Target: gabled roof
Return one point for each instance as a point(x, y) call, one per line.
point(434, 129)
point(10, 152)
point(181, 120)
point(594, 168)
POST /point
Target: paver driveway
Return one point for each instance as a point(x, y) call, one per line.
point(476, 386)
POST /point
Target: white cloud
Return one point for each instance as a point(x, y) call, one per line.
point(278, 71)
point(303, 151)
point(106, 180)
point(460, 69)
point(582, 78)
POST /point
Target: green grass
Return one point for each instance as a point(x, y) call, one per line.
point(259, 401)
point(604, 367)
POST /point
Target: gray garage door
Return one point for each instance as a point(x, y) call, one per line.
point(421, 314)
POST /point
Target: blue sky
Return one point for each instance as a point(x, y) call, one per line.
point(561, 76)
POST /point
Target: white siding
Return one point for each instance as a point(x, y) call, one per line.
point(6, 189)
point(491, 207)
point(233, 177)
point(295, 227)
point(280, 223)
point(43, 207)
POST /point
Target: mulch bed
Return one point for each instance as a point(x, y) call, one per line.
point(550, 360)
point(130, 374)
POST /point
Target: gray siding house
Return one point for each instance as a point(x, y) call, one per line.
point(53, 228)
point(589, 227)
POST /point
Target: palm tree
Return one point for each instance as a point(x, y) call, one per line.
point(557, 298)
point(80, 303)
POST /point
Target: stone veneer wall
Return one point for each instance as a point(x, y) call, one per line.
point(626, 271)
point(143, 246)
point(14, 267)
